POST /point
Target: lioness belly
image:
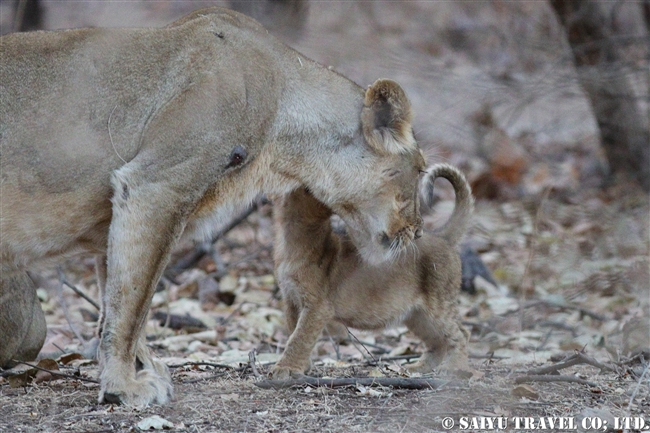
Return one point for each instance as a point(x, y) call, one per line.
point(39, 225)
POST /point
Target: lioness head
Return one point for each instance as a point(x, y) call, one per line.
point(376, 181)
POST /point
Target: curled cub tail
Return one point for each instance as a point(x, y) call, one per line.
point(455, 227)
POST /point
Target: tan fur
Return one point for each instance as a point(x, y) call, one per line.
point(118, 141)
point(322, 278)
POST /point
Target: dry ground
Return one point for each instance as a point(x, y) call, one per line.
point(575, 294)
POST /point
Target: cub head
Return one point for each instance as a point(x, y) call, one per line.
point(378, 178)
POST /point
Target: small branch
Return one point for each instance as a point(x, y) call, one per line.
point(56, 373)
point(209, 364)
point(353, 339)
point(582, 310)
point(401, 383)
point(236, 310)
point(194, 256)
point(636, 389)
point(217, 375)
point(578, 358)
point(252, 363)
point(365, 343)
point(64, 307)
point(376, 362)
point(483, 326)
point(554, 378)
point(77, 291)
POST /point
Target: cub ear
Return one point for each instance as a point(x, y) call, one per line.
point(386, 118)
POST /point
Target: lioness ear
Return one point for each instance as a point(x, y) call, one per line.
point(386, 118)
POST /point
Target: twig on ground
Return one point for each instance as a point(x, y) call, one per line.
point(483, 326)
point(252, 363)
point(582, 310)
point(553, 378)
point(395, 382)
point(562, 306)
point(64, 306)
point(636, 389)
point(57, 373)
point(353, 339)
point(209, 364)
point(376, 362)
point(531, 253)
point(217, 375)
point(557, 325)
point(335, 344)
point(487, 356)
point(578, 358)
point(365, 343)
point(236, 310)
point(90, 300)
point(194, 256)
point(630, 360)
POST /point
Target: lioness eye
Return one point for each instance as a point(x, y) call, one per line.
point(237, 156)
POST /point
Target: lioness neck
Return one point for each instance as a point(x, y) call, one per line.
point(319, 113)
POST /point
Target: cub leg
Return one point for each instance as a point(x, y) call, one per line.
point(22, 322)
point(445, 340)
point(146, 223)
point(295, 359)
point(292, 313)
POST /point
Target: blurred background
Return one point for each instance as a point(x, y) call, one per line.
point(495, 79)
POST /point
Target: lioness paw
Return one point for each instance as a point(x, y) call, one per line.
point(150, 386)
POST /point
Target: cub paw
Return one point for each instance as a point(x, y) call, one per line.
point(419, 367)
point(285, 373)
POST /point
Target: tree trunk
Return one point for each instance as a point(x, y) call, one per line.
point(623, 126)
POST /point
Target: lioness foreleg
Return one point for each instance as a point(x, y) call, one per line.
point(146, 222)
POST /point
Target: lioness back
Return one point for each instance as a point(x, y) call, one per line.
point(93, 96)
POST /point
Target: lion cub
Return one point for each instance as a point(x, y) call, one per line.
point(322, 278)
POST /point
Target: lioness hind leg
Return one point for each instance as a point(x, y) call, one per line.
point(22, 322)
point(445, 339)
point(295, 359)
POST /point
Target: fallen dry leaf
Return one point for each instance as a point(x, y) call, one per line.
point(525, 391)
point(34, 375)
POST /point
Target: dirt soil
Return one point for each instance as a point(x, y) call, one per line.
point(567, 245)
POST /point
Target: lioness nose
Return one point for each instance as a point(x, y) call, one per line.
point(418, 234)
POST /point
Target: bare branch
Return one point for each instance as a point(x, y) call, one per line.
point(57, 373)
point(578, 358)
point(553, 378)
point(401, 383)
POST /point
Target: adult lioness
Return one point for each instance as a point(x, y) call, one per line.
point(116, 141)
point(323, 279)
